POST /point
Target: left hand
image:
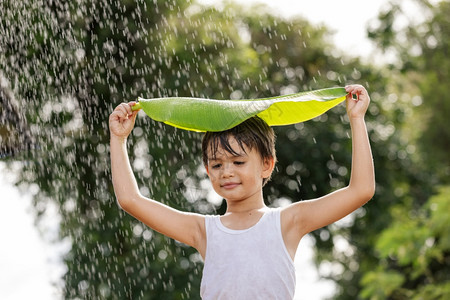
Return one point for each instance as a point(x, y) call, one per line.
point(356, 108)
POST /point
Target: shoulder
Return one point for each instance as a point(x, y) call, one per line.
point(209, 219)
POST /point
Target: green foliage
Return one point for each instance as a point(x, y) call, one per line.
point(70, 65)
point(422, 49)
point(380, 284)
point(416, 247)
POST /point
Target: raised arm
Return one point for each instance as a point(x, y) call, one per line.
point(185, 227)
point(306, 216)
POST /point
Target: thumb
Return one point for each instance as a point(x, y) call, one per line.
point(134, 115)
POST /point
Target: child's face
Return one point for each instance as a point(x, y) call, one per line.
point(237, 177)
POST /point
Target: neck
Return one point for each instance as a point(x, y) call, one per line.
point(255, 202)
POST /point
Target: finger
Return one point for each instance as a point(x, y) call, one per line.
point(121, 114)
point(352, 90)
point(123, 109)
point(352, 96)
point(133, 112)
point(127, 108)
point(134, 115)
point(358, 91)
point(349, 96)
point(353, 87)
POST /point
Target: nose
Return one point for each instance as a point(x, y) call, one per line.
point(227, 170)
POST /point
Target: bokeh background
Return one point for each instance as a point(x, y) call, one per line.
point(64, 66)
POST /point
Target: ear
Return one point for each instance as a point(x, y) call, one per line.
point(207, 170)
point(268, 166)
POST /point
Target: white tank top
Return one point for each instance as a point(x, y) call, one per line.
point(247, 264)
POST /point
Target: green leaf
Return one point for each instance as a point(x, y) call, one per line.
point(198, 114)
point(381, 284)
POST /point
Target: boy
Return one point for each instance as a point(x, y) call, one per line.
point(249, 251)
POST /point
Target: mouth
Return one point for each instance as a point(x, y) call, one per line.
point(230, 185)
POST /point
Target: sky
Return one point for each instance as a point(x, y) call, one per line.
point(348, 19)
point(29, 264)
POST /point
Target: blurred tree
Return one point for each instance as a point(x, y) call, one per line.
point(414, 253)
point(14, 132)
point(422, 48)
point(70, 64)
point(414, 250)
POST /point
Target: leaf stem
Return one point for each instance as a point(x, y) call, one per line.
point(137, 106)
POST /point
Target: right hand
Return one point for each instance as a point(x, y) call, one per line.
point(121, 120)
point(356, 108)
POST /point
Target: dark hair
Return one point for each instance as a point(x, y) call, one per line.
point(253, 133)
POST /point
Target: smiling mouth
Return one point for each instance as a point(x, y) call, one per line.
point(230, 185)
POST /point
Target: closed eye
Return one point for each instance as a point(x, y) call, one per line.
point(239, 162)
